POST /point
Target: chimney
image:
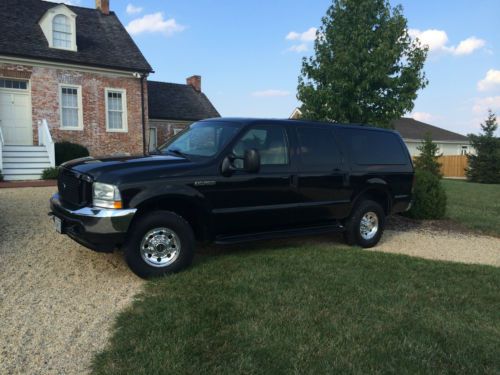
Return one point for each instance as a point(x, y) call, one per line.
point(195, 82)
point(103, 6)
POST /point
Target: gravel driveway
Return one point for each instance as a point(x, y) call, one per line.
point(58, 300)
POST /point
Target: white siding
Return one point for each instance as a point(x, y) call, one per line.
point(447, 148)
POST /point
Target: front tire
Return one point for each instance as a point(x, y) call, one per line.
point(159, 243)
point(365, 225)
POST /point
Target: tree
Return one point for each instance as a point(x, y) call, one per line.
point(484, 166)
point(366, 68)
point(428, 158)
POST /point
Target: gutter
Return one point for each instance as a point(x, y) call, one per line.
point(143, 77)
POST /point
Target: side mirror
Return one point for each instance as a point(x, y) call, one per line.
point(251, 163)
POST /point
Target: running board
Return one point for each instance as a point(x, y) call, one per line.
point(295, 232)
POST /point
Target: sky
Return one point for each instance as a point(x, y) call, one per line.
point(249, 53)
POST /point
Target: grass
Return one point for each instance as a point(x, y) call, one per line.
point(476, 206)
point(309, 308)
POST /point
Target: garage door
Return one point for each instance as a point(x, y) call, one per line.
point(15, 112)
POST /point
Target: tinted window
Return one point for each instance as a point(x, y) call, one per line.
point(368, 147)
point(269, 141)
point(317, 148)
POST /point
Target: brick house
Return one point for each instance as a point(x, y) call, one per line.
point(173, 106)
point(73, 73)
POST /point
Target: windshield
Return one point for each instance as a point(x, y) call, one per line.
point(203, 139)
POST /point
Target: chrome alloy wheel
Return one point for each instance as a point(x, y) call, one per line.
point(160, 247)
point(369, 225)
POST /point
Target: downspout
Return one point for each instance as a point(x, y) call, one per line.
point(143, 76)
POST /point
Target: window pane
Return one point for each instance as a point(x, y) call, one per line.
point(269, 141)
point(369, 147)
point(61, 32)
point(318, 150)
point(69, 104)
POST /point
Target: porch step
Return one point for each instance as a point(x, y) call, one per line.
point(24, 162)
point(24, 148)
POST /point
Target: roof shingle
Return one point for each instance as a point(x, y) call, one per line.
point(101, 39)
point(173, 101)
point(413, 129)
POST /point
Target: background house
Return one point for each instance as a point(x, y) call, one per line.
point(174, 106)
point(69, 73)
point(449, 143)
point(413, 133)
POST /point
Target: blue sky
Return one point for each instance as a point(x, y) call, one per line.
point(249, 52)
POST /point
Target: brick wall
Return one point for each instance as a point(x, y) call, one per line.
point(44, 82)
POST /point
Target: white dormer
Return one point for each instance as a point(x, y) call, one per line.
point(59, 27)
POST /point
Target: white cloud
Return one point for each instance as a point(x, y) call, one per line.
point(469, 45)
point(303, 47)
point(132, 9)
point(271, 93)
point(437, 41)
point(491, 80)
point(154, 23)
point(306, 36)
point(422, 116)
point(305, 39)
point(481, 105)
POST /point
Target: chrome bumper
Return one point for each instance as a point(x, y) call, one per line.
point(93, 220)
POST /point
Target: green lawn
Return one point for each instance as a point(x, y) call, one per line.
point(310, 308)
point(477, 206)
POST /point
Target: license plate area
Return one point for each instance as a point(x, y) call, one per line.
point(58, 225)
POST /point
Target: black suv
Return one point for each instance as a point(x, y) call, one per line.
point(233, 180)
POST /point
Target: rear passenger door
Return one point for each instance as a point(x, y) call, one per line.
point(322, 178)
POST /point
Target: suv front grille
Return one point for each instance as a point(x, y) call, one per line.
point(73, 189)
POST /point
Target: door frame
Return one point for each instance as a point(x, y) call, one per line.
point(26, 92)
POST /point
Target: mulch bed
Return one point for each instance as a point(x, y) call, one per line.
point(24, 184)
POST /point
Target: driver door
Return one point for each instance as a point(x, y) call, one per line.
point(256, 202)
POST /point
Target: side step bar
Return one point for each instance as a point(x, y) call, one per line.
point(295, 232)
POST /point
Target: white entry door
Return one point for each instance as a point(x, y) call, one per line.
point(15, 112)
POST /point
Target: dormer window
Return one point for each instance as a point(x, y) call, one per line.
point(61, 32)
point(59, 27)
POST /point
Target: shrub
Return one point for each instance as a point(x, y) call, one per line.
point(1, 176)
point(50, 173)
point(428, 158)
point(429, 197)
point(66, 151)
point(484, 166)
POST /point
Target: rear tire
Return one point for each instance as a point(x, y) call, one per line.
point(159, 243)
point(365, 225)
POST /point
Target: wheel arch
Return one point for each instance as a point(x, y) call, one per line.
point(377, 192)
point(189, 208)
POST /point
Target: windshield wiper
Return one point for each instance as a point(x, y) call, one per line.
point(178, 152)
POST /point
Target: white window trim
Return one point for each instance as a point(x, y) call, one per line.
point(156, 136)
point(80, 107)
point(124, 110)
point(46, 23)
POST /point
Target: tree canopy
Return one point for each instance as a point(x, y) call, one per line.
point(366, 68)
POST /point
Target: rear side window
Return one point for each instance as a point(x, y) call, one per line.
point(318, 150)
point(369, 147)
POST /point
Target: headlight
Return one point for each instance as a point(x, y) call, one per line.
point(105, 195)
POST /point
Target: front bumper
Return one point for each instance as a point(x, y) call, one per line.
point(99, 229)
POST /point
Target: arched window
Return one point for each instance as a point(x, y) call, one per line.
point(61, 32)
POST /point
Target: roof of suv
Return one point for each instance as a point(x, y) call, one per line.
point(244, 121)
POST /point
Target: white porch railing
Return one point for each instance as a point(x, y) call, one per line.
point(45, 139)
point(1, 150)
